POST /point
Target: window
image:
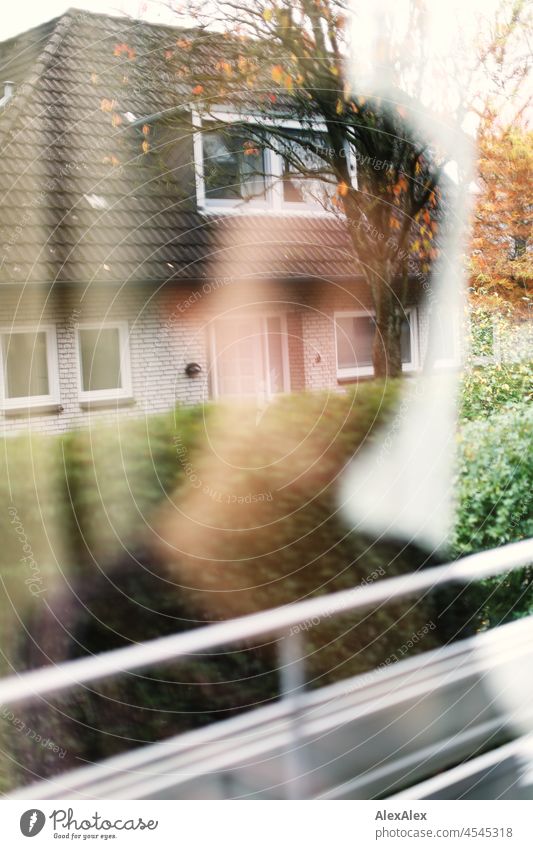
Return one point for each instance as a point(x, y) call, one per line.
point(249, 356)
point(235, 170)
point(298, 188)
point(234, 166)
point(354, 333)
point(29, 368)
point(104, 362)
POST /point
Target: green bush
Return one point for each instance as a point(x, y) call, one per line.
point(488, 389)
point(498, 371)
point(154, 526)
point(177, 520)
point(495, 504)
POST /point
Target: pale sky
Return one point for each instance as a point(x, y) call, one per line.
point(24, 14)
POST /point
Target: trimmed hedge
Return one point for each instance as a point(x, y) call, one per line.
point(150, 527)
point(155, 526)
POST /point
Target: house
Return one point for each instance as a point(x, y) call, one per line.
point(127, 282)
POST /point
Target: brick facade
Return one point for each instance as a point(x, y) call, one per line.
point(168, 327)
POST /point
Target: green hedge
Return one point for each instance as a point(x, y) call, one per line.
point(247, 507)
point(495, 504)
point(488, 389)
point(158, 525)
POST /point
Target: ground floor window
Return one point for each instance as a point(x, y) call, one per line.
point(249, 356)
point(29, 367)
point(354, 336)
point(104, 362)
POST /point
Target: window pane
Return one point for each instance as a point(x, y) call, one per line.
point(275, 354)
point(405, 340)
point(25, 364)
point(238, 355)
point(355, 336)
point(100, 359)
point(233, 166)
point(299, 186)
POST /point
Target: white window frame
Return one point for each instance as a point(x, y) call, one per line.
point(273, 201)
point(368, 371)
point(31, 402)
point(102, 396)
point(284, 351)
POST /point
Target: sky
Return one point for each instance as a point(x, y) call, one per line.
point(25, 14)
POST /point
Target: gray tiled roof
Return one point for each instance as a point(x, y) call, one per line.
point(82, 202)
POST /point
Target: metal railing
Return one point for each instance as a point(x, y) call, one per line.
point(288, 726)
point(280, 620)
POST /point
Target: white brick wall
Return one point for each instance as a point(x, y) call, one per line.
point(161, 344)
point(167, 330)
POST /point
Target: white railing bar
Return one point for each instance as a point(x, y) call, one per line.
point(520, 748)
point(51, 679)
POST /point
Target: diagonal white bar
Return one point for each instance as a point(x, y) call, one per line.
point(52, 679)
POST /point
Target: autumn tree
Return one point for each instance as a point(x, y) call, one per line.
point(288, 59)
point(501, 264)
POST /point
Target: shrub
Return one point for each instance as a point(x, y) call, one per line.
point(498, 369)
point(495, 504)
point(181, 519)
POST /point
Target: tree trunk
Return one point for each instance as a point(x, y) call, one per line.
point(386, 352)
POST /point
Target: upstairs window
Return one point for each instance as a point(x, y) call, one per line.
point(298, 187)
point(234, 166)
point(29, 368)
point(239, 169)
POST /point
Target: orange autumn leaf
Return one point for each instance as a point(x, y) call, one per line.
point(250, 148)
point(198, 89)
point(277, 73)
point(121, 49)
point(343, 189)
point(146, 129)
